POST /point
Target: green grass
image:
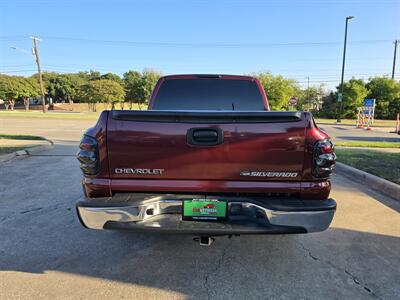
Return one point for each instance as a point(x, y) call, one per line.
point(367, 144)
point(377, 123)
point(20, 137)
point(79, 113)
point(5, 149)
point(382, 164)
point(49, 115)
point(11, 149)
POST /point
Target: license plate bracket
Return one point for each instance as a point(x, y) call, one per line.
point(204, 210)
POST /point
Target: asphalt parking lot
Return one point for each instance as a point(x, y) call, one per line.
point(46, 253)
point(71, 130)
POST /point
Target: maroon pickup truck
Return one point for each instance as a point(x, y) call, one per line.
point(207, 158)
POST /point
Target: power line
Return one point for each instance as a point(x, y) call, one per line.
point(15, 66)
point(321, 80)
point(325, 2)
point(270, 69)
point(18, 71)
point(80, 68)
point(12, 37)
point(207, 45)
point(322, 77)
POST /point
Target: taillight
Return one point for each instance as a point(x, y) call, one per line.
point(88, 155)
point(324, 159)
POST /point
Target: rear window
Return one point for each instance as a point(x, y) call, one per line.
point(208, 94)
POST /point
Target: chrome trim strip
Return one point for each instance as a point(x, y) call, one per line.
point(96, 217)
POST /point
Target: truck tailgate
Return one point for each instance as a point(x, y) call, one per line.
point(193, 145)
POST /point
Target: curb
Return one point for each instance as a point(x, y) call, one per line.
point(7, 157)
point(27, 151)
point(379, 184)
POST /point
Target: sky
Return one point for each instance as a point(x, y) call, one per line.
point(297, 39)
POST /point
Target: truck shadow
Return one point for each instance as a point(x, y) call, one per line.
point(229, 267)
point(40, 233)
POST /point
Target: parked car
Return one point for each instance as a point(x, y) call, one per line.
point(207, 158)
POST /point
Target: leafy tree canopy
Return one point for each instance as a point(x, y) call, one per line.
point(113, 77)
point(103, 90)
point(92, 86)
point(139, 86)
point(386, 91)
point(63, 86)
point(18, 87)
point(354, 93)
point(278, 89)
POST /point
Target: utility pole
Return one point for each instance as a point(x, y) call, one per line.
point(340, 95)
point(35, 41)
point(394, 58)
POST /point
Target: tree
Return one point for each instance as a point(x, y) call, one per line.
point(354, 93)
point(116, 78)
point(93, 75)
point(136, 87)
point(8, 91)
point(150, 78)
point(103, 90)
point(310, 98)
point(49, 82)
point(139, 86)
point(113, 77)
point(278, 89)
point(386, 91)
point(329, 106)
point(13, 88)
point(27, 88)
point(89, 75)
point(67, 86)
point(84, 94)
point(63, 87)
point(133, 87)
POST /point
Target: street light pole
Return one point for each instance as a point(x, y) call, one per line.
point(308, 93)
point(340, 95)
point(394, 58)
point(36, 52)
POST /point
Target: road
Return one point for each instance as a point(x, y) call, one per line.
point(71, 130)
point(351, 133)
point(46, 253)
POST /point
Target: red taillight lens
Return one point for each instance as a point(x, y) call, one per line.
point(88, 155)
point(327, 149)
point(324, 158)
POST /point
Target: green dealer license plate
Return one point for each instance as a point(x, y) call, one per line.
point(204, 210)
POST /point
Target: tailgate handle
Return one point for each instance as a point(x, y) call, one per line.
point(205, 136)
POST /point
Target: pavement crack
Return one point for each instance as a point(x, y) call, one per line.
point(30, 210)
point(357, 282)
point(42, 209)
point(307, 250)
point(212, 272)
point(347, 272)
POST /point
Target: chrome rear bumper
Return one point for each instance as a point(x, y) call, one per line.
point(163, 213)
